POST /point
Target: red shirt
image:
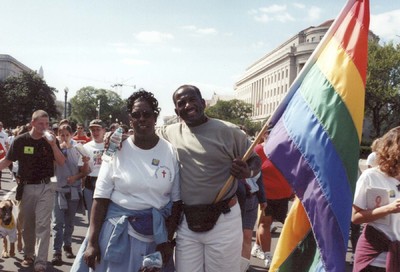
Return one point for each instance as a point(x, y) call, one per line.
point(81, 139)
point(275, 185)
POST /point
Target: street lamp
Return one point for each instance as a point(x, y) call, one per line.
point(98, 109)
point(65, 102)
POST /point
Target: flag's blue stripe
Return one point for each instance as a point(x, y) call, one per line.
point(288, 159)
point(308, 159)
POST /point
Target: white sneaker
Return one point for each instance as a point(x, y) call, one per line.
point(257, 252)
point(268, 259)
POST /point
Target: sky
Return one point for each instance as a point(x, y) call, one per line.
point(159, 45)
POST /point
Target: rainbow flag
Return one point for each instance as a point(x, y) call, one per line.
point(315, 144)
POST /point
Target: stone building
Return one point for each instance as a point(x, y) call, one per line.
point(266, 82)
point(9, 66)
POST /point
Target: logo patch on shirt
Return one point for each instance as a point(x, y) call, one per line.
point(164, 173)
point(28, 149)
point(155, 162)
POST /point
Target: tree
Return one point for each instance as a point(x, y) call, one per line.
point(84, 106)
point(22, 95)
point(234, 111)
point(382, 98)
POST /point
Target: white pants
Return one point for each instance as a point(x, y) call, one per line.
point(217, 250)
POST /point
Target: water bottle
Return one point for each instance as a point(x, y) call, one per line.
point(115, 142)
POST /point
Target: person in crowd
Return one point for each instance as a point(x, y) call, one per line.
point(250, 195)
point(80, 136)
point(377, 204)
point(36, 155)
point(94, 149)
point(278, 193)
point(4, 145)
point(209, 152)
point(371, 159)
point(135, 192)
point(68, 196)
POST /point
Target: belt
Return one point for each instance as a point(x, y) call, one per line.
point(40, 181)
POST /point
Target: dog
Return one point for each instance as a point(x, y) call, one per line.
point(9, 227)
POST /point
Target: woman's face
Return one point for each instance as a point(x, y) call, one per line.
point(143, 118)
point(64, 135)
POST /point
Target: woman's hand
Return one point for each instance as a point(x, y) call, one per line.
point(92, 255)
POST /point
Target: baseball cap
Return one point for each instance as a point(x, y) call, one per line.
point(97, 123)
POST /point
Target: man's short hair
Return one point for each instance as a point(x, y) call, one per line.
point(39, 114)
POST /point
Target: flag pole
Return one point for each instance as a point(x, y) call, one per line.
point(228, 183)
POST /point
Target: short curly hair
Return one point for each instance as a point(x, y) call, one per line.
point(146, 96)
point(388, 152)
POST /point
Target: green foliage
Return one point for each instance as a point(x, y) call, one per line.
point(24, 94)
point(382, 98)
point(234, 111)
point(84, 106)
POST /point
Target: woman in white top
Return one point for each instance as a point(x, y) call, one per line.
point(133, 197)
point(377, 203)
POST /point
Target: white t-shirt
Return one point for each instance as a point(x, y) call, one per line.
point(371, 160)
point(4, 139)
point(95, 151)
point(374, 178)
point(138, 179)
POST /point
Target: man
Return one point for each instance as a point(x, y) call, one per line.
point(209, 151)
point(36, 155)
point(80, 136)
point(94, 149)
point(4, 145)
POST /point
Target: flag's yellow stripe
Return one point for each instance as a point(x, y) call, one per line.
point(341, 71)
point(294, 230)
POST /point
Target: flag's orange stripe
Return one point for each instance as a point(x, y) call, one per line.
point(352, 34)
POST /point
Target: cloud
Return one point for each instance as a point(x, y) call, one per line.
point(299, 5)
point(272, 13)
point(200, 31)
point(386, 25)
point(153, 37)
point(136, 62)
point(314, 13)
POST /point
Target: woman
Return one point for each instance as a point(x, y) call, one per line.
point(133, 196)
point(68, 195)
point(377, 203)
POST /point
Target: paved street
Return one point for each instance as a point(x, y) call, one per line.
point(13, 264)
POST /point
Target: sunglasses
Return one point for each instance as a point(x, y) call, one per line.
point(144, 114)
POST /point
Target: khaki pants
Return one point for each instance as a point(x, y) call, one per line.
point(36, 207)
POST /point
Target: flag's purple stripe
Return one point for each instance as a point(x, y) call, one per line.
point(304, 153)
point(288, 159)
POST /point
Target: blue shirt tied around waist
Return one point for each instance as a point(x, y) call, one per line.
point(119, 241)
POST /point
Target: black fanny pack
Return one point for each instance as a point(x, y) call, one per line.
point(201, 218)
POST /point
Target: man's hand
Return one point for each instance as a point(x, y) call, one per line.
point(240, 169)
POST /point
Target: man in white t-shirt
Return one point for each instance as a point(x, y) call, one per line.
point(95, 150)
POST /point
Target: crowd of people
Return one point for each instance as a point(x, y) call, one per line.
point(154, 205)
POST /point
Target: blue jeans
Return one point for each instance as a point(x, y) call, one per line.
point(88, 197)
point(63, 224)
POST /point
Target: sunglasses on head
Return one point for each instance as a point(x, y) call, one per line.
point(144, 114)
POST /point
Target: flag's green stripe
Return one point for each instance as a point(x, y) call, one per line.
point(334, 117)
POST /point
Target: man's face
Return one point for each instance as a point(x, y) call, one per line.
point(79, 129)
point(190, 107)
point(97, 133)
point(40, 124)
